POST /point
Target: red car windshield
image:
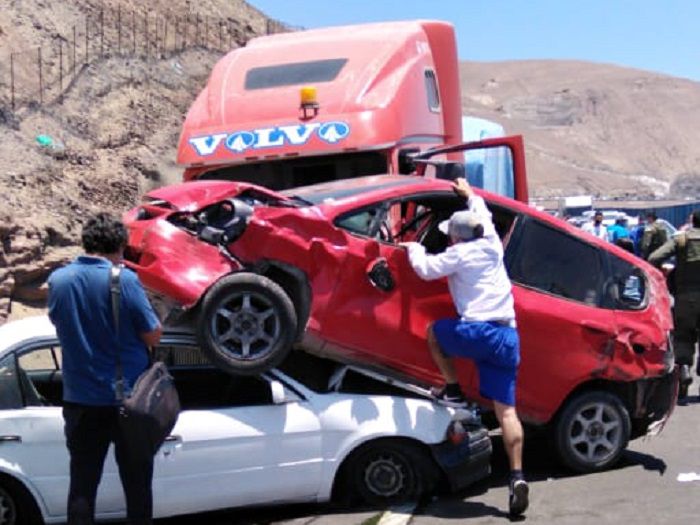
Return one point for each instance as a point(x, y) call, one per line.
point(342, 189)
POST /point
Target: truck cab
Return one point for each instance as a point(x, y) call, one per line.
point(299, 108)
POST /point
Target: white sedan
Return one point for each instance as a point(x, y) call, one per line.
point(293, 435)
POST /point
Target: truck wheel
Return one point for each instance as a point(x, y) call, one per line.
point(389, 472)
point(247, 324)
point(17, 507)
point(592, 431)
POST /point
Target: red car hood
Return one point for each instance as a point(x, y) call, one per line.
point(190, 196)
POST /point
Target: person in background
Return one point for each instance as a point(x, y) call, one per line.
point(618, 230)
point(80, 308)
point(686, 308)
point(596, 226)
point(636, 235)
point(686, 225)
point(484, 330)
point(619, 235)
point(654, 235)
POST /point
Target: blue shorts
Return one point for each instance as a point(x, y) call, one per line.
point(495, 348)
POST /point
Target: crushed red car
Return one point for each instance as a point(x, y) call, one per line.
point(256, 272)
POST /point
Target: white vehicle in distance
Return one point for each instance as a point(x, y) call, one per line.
point(299, 435)
point(609, 217)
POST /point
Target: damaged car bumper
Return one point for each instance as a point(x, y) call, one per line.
point(466, 458)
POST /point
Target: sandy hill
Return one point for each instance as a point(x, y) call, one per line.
point(593, 128)
point(114, 126)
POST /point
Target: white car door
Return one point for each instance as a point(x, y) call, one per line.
point(247, 451)
point(32, 441)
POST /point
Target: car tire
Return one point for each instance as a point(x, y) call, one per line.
point(592, 431)
point(17, 506)
point(247, 324)
point(389, 472)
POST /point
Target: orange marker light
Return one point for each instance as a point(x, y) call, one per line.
point(309, 102)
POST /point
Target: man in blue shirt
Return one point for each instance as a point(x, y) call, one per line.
point(80, 308)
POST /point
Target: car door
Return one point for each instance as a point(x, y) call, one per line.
point(565, 335)
point(233, 446)
point(32, 429)
point(382, 309)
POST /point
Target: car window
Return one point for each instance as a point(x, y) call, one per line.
point(10, 392)
point(626, 289)
point(361, 222)
point(41, 359)
point(547, 259)
point(40, 376)
point(201, 385)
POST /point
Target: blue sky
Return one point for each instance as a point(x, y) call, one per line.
point(644, 34)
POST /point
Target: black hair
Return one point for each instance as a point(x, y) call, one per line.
point(651, 214)
point(696, 219)
point(104, 234)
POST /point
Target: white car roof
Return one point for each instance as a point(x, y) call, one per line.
point(38, 327)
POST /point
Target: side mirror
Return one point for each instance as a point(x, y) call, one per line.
point(379, 275)
point(450, 171)
point(405, 158)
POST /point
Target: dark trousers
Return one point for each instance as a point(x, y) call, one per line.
point(686, 318)
point(89, 431)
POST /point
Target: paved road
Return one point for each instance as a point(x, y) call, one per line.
point(642, 489)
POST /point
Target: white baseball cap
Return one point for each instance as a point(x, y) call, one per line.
point(463, 224)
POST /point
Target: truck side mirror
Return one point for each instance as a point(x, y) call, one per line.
point(406, 164)
point(450, 171)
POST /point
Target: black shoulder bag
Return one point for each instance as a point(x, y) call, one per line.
point(149, 412)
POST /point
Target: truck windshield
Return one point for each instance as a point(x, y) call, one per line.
point(293, 74)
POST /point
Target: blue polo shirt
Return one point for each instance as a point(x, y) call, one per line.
point(80, 307)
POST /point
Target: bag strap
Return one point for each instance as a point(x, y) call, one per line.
point(115, 294)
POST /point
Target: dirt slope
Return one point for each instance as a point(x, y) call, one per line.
point(588, 128)
point(114, 132)
point(593, 128)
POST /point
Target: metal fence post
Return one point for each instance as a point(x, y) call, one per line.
point(165, 35)
point(145, 29)
point(41, 79)
point(12, 80)
point(196, 31)
point(119, 29)
point(75, 45)
point(60, 64)
point(87, 42)
point(102, 32)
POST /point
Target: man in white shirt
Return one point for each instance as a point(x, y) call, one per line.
point(596, 226)
point(485, 329)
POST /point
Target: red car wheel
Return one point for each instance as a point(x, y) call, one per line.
point(592, 431)
point(247, 324)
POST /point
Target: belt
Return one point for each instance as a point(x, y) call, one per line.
point(510, 323)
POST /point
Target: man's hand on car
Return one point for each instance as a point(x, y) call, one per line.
point(462, 188)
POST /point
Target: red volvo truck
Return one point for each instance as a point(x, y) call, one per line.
point(298, 108)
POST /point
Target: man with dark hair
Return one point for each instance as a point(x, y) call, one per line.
point(686, 283)
point(596, 226)
point(80, 308)
point(485, 329)
point(653, 237)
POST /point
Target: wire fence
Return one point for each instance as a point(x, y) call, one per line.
point(41, 75)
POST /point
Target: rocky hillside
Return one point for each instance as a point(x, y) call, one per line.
point(113, 133)
point(107, 128)
point(593, 128)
